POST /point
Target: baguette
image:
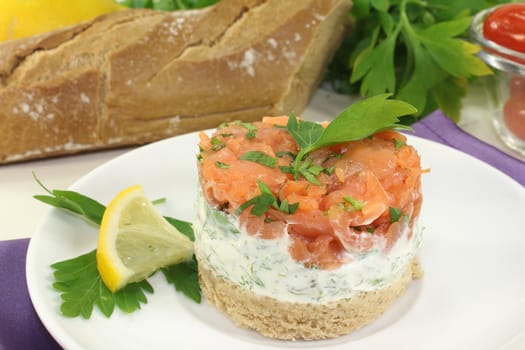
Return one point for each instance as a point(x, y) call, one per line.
point(137, 76)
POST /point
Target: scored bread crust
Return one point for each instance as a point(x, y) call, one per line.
point(136, 76)
point(301, 321)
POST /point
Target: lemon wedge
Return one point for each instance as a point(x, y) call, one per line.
point(135, 240)
point(21, 18)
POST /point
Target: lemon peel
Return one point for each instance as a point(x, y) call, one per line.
point(23, 18)
point(135, 240)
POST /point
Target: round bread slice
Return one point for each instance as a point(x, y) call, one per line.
point(301, 321)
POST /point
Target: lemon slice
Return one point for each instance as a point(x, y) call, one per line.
point(135, 240)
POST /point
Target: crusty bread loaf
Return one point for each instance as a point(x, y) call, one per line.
point(136, 76)
point(294, 321)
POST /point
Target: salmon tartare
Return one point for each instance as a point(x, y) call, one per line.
point(301, 249)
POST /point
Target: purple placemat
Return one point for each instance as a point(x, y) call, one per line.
point(439, 128)
point(20, 327)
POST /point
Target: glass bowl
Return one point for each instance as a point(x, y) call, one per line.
point(506, 88)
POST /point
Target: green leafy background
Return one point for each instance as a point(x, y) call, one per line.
point(417, 50)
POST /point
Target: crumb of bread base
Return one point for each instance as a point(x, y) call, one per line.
point(302, 321)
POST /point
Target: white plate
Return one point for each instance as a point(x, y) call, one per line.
point(472, 295)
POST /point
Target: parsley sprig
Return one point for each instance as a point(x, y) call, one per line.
point(78, 280)
point(417, 50)
point(357, 204)
point(358, 121)
point(72, 202)
point(81, 289)
point(395, 214)
point(252, 129)
point(263, 202)
point(260, 158)
point(310, 171)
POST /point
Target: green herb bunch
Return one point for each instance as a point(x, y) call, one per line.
point(417, 50)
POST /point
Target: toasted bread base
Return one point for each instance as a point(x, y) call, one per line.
point(301, 321)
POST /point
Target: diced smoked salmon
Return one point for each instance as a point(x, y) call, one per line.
point(348, 208)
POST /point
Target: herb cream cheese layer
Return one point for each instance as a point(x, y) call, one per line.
point(265, 267)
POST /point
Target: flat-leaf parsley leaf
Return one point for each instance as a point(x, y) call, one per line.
point(416, 50)
point(81, 288)
point(261, 203)
point(79, 281)
point(359, 120)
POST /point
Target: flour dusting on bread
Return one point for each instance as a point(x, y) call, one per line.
point(123, 78)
